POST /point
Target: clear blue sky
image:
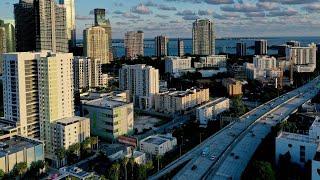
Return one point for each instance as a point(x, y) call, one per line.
point(174, 17)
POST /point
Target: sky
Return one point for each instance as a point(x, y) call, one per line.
point(232, 18)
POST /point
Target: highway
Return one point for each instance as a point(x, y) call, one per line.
point(236, 136)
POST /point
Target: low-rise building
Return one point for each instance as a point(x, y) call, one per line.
point(172, 102)
point(72, 172)
point(158, 144)
point(139, 157)
point(109, 118)
point(19, 149)
point(210, 110)
point(174, 65)
point(215, 61)
point(303, 58)
point(234, 87)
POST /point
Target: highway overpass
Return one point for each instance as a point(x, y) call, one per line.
point(231, 148)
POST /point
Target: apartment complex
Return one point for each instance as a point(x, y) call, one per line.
point(172, 102)
point(158, 144)
point(142, 82)
point(161, 46)
point(95, 41)
point(203, 37)
point(19, 149)
point(109, 118)
point(213, 61)
point(70, 21)
point(175, 64)
point(9, 34)
point(134, 44)
point(241, 49)
point(264, 62)
point(303, 58)
point(261, 47)
point(180, 47)
point(100, 20)
point(81, 73)
point(41, 25)
point(210, 110)
point(234, 87)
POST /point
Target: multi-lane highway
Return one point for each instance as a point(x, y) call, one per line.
point(229, 150)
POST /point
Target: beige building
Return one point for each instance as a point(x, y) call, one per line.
point(70, 21)
point(109, 118)
point(172, 102)
point(158, 144)
point(95, 44)
point(161, 46)
point(233, 86)
point(142, 81)
point(133, 44)
point(304, 59)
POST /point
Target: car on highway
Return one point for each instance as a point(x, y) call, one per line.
point(205, 152)
point(212, 157)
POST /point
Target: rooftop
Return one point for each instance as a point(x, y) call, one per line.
point(157, 139)
point(70, 120)
point(213, 102)
point(297, 137)
point(104, 103)
point(16, 144)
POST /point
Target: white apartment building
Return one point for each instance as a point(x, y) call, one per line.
point(303, 58)
point(301, 147)
point(134, 44)
point(158, 144)
point(210, 110)
point(217, 61)
point(109, 118)
point(172, 102)
point(70, 20)
point(264, 62)
point(95, 42)
point(161, 46)
point(142, 81)
point(174, 65)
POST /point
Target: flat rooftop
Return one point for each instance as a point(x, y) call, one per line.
point(213, 102)
point(157, 139)
point(16, 144)
point(70, 120)
point(297, 137)
point(104, 103)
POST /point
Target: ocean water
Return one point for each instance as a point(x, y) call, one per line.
point(222, 45)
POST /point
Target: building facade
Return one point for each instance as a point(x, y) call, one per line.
point(264, 62)
point(213, 61)
point(203, 37)
point(95, 43)
point(234, 87)
point(81, 73)
point(304, 59)
point(172, 102)
point(180, 47)
point(70, 21)
point(109, 118)
point(134, 44)
point(175, 64)
point(100, 20)
point(241, 49)
point(161, 46)
point(261, 47)
point(142, 82)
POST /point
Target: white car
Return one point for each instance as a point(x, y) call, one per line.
point(213, 157)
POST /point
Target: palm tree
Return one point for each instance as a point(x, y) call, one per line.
point(20, 169)
point(94, 141)
point(158, 157)
point(124, 163)
point(114, 171)
point(61, 154)
point(131, 161)
point(1, 174)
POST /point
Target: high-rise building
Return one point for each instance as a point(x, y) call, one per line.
point(95, 44)
point(180, 48)
point(100, 20)
point(142, 82)
point(3, 45)
point(293, 43)
point(241, 49)
point(81, 73)
point(70, 20)
point(161, 46)
point(133, 44)
point(96, 73)
point(203, 37)
point(261, 47)
point(21, 91)
point(264, 62)
point(303, 58)
point(9, 35)
point(40, 25)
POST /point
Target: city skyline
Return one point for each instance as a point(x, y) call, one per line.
point(233, 18)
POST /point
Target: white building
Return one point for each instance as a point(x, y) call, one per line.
point(210, 110)
point(303, 58)
point(175, 65)
point(142, 82)
point(203, 37)
point(134, 44)
point(217, 61)
point(82, 73)
point(264, 62)
point(70, 20)
point(158, 144)
point(263, 67)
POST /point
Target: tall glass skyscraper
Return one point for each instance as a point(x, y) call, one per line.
point(203, 37)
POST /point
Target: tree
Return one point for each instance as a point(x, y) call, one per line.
point(131, 161)
point(20, 169)
point(141, 172)
point(2, 174)
point(238, 108)
point(61, 154)
point(94, 141)
point(158, 157)
point(124, 162)
point(114, 171)
point(259, 170)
